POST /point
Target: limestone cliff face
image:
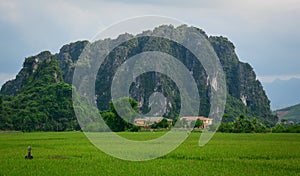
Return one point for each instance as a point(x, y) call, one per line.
point(245, 92)
point(67, 57)
point(32, 68)
point(241, 81)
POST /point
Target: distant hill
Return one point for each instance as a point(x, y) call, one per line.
point(290, 113)
point(283, 93)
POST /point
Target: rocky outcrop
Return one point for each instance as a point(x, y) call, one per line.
point(245, 92)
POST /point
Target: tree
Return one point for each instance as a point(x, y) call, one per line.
point(199, 123)
point(127, 113)
point(162, 124)
point(116, 122)
point(243, 125)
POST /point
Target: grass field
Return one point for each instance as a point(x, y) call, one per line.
point(70, 153)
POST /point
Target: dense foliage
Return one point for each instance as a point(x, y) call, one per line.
point(47, 108)
point(117, 123)
point(243, 125)
point(44, 103)
point(281, 128)
point(253, 125)
point(162, 124)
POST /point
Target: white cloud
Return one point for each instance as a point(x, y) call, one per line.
point(262, 31)
point(75, 18)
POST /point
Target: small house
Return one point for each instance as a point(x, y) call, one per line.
point(148, 121)
point(206, 121)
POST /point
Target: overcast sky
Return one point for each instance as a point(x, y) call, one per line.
point(265, 33)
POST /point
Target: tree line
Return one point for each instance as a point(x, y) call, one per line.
point(243, 124)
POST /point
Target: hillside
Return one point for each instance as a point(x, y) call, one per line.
point(245, 92)
point(43, 101)
point(290, 113)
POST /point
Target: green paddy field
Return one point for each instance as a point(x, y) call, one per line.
point(71, 153)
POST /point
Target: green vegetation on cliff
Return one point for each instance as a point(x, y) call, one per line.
point(44, 103)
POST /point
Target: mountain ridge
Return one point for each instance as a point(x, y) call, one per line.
point(245, 93)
